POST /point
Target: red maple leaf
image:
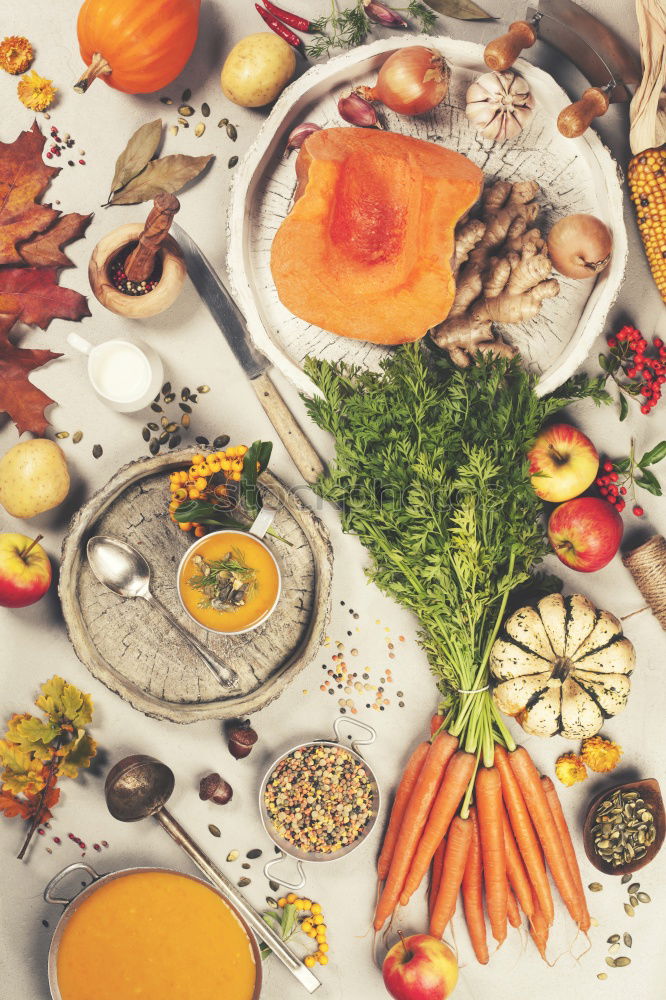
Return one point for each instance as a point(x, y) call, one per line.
point(45, 249)
point(34, 296)
point(23, 179)
point(22, 400)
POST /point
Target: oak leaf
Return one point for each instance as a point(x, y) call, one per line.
point(23, 179)
point(45, 249)
point(22, 400)
point(34, 296)
point(11, 806)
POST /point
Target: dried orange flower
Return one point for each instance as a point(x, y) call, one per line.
point(16, 54)
point(600, 754)
point(570, 768)
point(35, 91)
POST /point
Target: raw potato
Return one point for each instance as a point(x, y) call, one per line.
point(257, 69)
point(33, 478)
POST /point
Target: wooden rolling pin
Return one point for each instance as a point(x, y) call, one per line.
point(141, 261)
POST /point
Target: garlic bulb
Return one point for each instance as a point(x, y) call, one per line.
point(499, 104)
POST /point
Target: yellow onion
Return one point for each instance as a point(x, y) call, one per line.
point(580, 246)
point(412, 80)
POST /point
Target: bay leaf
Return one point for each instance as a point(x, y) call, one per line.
point(169, 174)
point(137, 153)
point(463, 10)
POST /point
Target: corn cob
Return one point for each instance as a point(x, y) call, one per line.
point(647, 184)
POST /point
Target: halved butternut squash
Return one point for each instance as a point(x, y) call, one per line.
point(366, 250)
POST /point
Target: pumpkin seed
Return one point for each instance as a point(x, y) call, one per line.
point(156, 408)
point(215, 830)
point(602, 975)
point(205, 110)
point(222, 122)
point(232, 161)
point(171, 427)
point(271, 901)
point(634, 887)
point(76, 437)
point(164, 437)
point(628, 940)
point(185, 408)
point(186, 110)
point(203, 388)
point(201, 439)
point(184, 122)
point(62, 434)
point(185, 393)
point(242, 882)
point(233, 855)
point(200, 129)
point(153, 426)
point(164, 421)
point(254, 853)
point(611, 962)
point(173, 130)
point(169, 398)
point(613, 938)
point(97, 451)
point(614, 948)
point(166, 100)
point(274, 885)
point(175, 441)
point(622, 961)
point(232, 132)
point(145, 434)
point(629, 910)
point(185, 421)
point(193, 397)
point(247, 868)
point(644, 898)
point(595, 887)
point(154, 446)
point(221, 442)
point(625, 878)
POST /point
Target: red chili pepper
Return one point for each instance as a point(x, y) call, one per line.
point(293, 20)
point(279, 28)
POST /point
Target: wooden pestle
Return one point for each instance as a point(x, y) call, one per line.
point(141, 262)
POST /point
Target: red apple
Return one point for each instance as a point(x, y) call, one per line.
point(420, 967)
point(563, 463)
point(25, 570)
point(585, 533)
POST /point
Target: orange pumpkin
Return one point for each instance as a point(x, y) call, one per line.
point(136, 46)
point(366, 250)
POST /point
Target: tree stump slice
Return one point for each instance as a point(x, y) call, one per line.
point(575, 175)
point(126, 644)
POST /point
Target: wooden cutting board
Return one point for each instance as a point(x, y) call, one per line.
point(126, 644)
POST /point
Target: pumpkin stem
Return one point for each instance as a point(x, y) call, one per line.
point(561, 668)
point(98, 67)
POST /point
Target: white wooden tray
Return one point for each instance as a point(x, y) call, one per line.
point(576, 175)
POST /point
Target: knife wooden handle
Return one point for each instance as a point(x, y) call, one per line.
point(502, 52)
point(577, 117)
point(303, 455)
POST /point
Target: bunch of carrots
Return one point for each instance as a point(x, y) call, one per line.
point(501, 845)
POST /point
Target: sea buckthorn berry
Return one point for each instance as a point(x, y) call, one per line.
point(185, 525)
point(199, 531)
point(225, 465)
point(307, 904)
point(323, 947)
point(193, 493)
point(236, 477)
point(306, 926)
point(291, 898)
point(200, 483)
point(310, 961)
point(242, 449)
point(282, 901)
point(322, 959)
point(198, 459)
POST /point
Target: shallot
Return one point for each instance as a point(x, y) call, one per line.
point(412, 80)
point(358, 111)
point(580, 246)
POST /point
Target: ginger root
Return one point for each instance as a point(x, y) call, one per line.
point(502, 273)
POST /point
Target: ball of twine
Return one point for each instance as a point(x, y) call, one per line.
point(647, 565)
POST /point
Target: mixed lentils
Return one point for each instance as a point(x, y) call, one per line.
point(319, 798)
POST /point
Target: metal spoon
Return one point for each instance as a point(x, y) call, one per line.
point(137, 787)
point(122, 569)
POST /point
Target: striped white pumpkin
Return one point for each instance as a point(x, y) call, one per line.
point(562, 667)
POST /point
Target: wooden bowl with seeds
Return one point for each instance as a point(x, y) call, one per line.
point(625, 827)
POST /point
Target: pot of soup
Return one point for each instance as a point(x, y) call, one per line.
point(151, 933)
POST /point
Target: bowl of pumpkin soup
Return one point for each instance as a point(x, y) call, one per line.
point(151, 933)
point(229, 582)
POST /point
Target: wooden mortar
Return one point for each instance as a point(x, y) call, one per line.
point(153, 244)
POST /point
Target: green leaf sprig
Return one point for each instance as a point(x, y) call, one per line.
point(36, 752)
point(431, 474)
point(347, 28)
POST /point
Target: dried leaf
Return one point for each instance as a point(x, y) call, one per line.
point(33, 295)
point(136, 154)
point(169, 174)
point(22, 400)
point(23, 179)
point(463, 10)
point(11, 806)
point(45, 250)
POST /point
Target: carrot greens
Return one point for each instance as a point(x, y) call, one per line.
point(431, 474)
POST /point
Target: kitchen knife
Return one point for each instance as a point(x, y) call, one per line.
point(232, 323)
point(598, 52)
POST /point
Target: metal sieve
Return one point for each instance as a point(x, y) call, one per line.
point(287, 848)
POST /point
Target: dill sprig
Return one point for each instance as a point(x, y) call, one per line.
point(431, 474)
point(349, 27)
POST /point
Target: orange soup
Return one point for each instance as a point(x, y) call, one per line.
point(229, 582)
point(157, 936)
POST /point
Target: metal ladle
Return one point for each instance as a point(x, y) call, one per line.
point(137, 787)
point(122, 568)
